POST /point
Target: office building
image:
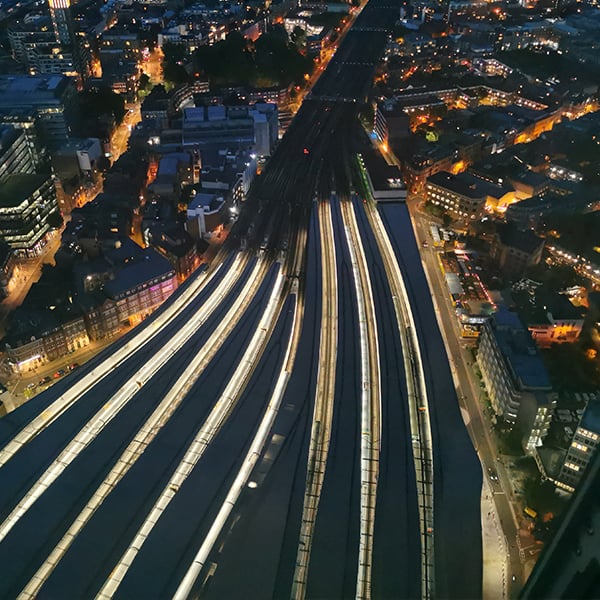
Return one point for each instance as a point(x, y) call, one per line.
point(464, 195)
point(62, 21)
point(15, 153)
point(583, 447)
point(46, 100)
point(569, 566)
point(512, 371)
point(26, 202)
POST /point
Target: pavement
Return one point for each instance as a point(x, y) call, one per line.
point(500, 508)
point(27, 272)
point(18, 385)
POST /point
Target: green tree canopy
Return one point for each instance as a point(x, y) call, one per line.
point(271, 60)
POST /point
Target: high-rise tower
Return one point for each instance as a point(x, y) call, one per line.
point(66, 37)
point(60, 12)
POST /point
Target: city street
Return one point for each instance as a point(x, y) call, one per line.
point(471, 396)
point(27, 272)
point(120, 138)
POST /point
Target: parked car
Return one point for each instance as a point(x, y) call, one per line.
point(493, 475)
point(73, 366)
point(45, 380)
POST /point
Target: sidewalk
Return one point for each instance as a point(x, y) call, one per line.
point(495, 551)
point(17, 385)
point(497, 565)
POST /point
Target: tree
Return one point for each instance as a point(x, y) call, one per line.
point(298, 37)
point(55, 220)
point(144, 81)
point(92, 109)
point(174, 53)
point(175, 73)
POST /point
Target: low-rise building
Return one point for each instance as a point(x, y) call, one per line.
point(138, 288)
point(464, 195)
point(554, 321)
point(515, 250)
point(177, 246)
point(384, 181)
point(37, 337)
point(204, 214)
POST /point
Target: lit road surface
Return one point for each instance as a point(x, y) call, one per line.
point(284, 426)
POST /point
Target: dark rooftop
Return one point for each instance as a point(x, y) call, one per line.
point(519, 351)
point(134, 274)
point(591, 417)
point(511, 236)
point(467, 185)
point(17, 188)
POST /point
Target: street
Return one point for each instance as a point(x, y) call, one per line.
point(470, 396)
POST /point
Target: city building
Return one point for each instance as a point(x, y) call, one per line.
point(34, 31)
point(266, 127)
point(384, 181)
point(253, 128)
point(37, 337)
point(47, 99)
point(8, 268)
point(419, 167)
point(177, 246)
point(569, 566)
point(392, 123)
point(68, 40)
point(138, 288)
point(230, 126)
point(515, 250)
point(531, 212)
point(26, 202)
point(582, 449)
point(204, 214)
point(174, 170)
point(15, 153)
point(62, 21)
point(554, 320)
point(464, 195)
point(514, 376)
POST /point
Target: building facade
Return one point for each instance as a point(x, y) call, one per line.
point(464, 195)
point(582, 449)
point(26, 203)
point(512, 370)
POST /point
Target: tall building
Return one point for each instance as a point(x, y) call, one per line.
point(62, 22)
point(15, 153)
point(583, 447)
point(515, 377)
point(71, 53)
point(26, 202)
point(569, 566)
point(44, 100)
